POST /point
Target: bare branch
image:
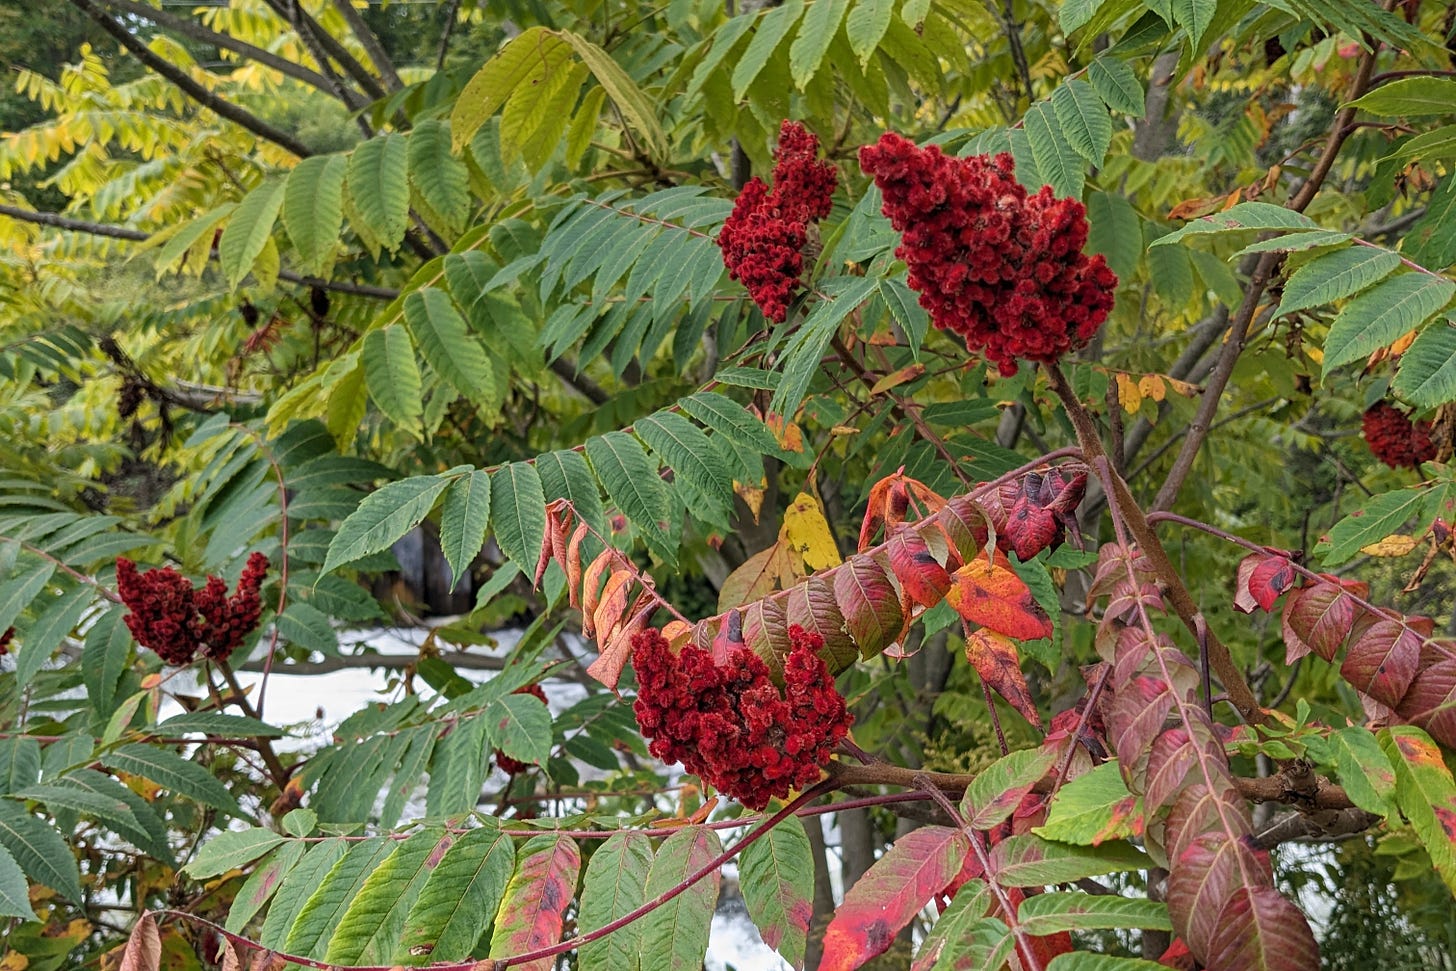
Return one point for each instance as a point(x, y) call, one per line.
point(375, 50)
point(191, 88)
point(384, 662)
point(196, 31)
point(293, 14)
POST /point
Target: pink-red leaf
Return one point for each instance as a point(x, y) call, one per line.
point(811, 605)
point(143, 951)
point(871, 608)
point(993, 596)
point(1262, 579)
point(1321, 617)
point(916, 868)
point(1202, 879)
point(1259, 930)
point(996, 660)
point(537, 896)
point(1382, 661)
point(1430, 702)
point(922, 576)
point(1138, 712)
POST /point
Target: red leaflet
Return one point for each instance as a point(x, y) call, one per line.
point(995, 659)
point(871, 608)
point(1382, 661)
point(1259, 930)
point(1430, 702)
point(1261, 581)
point(1320, 617)
point(993, 596)
point(143, 950)
point(1137, 717)
point(536, 900)
point(921, 575)
point(916, 868)
point(1202, 879)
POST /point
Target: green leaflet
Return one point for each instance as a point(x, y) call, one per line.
point(14, 893)
point(437, 174)
point(1114, 230)
point(229, 849)
point(497, 79)
point(463, 519)
point(623, 91)
point(1053, 913)
point(262, 883)
point(369, 930)
point(379, 187)
point(1194, 16)
point(520, 726)
point(519, 512)
point(866, 24)
point(1427, 374)
point(1335, 275)
point(383, 517)
point(188, 235)
point(140, 825)
point(816, 31)
point(313, 209)
point(179, 775)
point(1410, 96)
point(17, 592)
point(39, 850)
point(459, 768)
point(675, 935)
point(450, 348)
point(1083, 119)
point(1425, 792)
point(776, 875)
point(613, 887)
point(700, 468)
point(321, 913)
point(1382, 315)
point(54, 625)
point(565, 475)
point(459, 898)
point(248, 230)
point(1029, 861)
point(632, 482)
point(298, 885)
point(1054, 149)
point(19, 763)
point(1242, 217)
point(773, 29)
point(393, 376)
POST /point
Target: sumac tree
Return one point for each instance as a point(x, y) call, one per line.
point(1017, 435)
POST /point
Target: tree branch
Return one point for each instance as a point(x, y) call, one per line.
point(196, 31)
point(371, 44)
point(1238, 334)
point(195, 91)
point(296, 17)
point(383, 662)
point(137, 236)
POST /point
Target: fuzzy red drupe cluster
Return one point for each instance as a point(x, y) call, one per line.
point(177, 621)
point(1000, 267)
point(1396, 440)
point(503, 761)
point(730, 724)
point(763, 238)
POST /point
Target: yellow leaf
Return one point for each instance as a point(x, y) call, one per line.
point(907, 373)
point(1152, 386)
point(1184, 388)
point(807, 531)
point(1129, 395)
point(14, 961)
point(752, 496)
point(1397, 544)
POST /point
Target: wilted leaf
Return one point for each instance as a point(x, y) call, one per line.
point(996, 660)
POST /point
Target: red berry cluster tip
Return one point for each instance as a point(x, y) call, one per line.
point(5, 640)
point(1396, 440)
point(1002, 268)
point(763, 238)
point(507, 764)
point(730, 724)
point(176, 620)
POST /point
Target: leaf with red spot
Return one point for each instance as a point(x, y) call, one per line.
point(1093, 808)
point(1382, 661)
point(536, 899)
point(1259, 930)
point(871, 607)
point(1320, 617)
point(996, 660)
point(1430, 702)
point(993, 596)
point(776, 876)
point(917, 867)
point(921, 574)
point(1270, 578)
point(1426, 794)
point(999, 788)
point(1202, 879)
point(1360, 766)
